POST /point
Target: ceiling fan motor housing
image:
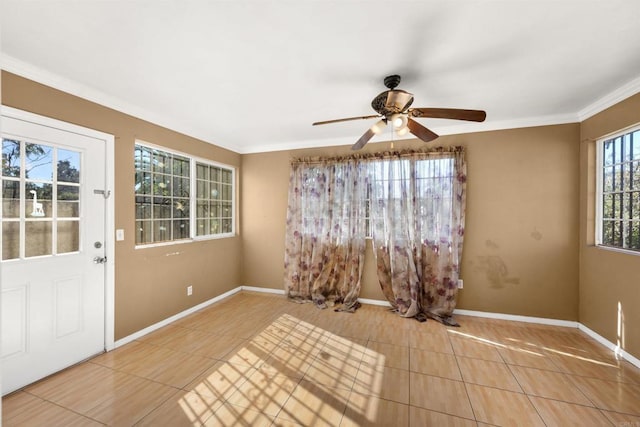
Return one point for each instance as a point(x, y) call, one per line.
point(392, 102)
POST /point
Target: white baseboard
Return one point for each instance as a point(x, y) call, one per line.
point(175, 317)
point(511, 317)
point(611, 346)
point(263, 290)
point(517, 318)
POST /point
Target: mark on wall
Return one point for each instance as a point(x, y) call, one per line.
point(536, 235)
point(491, 245)
point(497, 272)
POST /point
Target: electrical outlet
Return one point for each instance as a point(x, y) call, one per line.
point(460, 284)
point(189, 290)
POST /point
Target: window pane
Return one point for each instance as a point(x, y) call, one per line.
point(10, 199)
point(143, 232)
point(68, 237)
point(226, 226)
point(202, 227)
point(181, 229)
point(180, 187)
point(161, 185)
point(37, 238)
point(161, 230)
point(39, 163)
point(161, 161)
point(142, 158)
point(10, 240)
point(180, 166)
point(38, 200)
point(161, 208)
point(68, 201)
point(181, 208)
point(202, 209)
point(226, 176)
point(634, 236)
point(202, 171)
point(216, 192)
point(10, 158)
point(143, 183)
point(202, 189)
point(143, 208)
point(68, 166)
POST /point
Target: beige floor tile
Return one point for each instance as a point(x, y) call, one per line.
point(390, 335)
point(514, 355)
point(248, 353)
point(471, 346)
point(435, 364)
point(128, 353)
point(215, 346)
point(221, 380)
point(367, 410)
point(161, 336)
point(622, 420)
point(425, 418)
point(393, 356)
point(315, 405)
point(608, 370)
point(169, 367)
point(439, 394)
point(610, 395)
point(549, 384)
point(230, 415)
point(438, 342)
point(502, 407)
point(383, 382)
point(130, 403)
point(22, 409)
point(561, 414)
point(183, 409)
point(288, 362)
point(487, 373)
point(332, 371)
point(264, 392)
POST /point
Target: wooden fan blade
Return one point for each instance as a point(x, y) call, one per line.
point(346, 120)
point(363, 140)
point(449, 113)
point(420, 131)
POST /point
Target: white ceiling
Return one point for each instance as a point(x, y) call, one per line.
point(252, 76)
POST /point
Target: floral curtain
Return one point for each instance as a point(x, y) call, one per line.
point(417, 219)
point(325, 238)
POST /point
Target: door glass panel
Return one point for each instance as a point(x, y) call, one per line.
point(39, 164)
point(37, 238)
point(10, 158)
point(68, 201)
point(10, 240)
point(68, 166)
point(68, 237)
point(10, 199)
point(38, 200)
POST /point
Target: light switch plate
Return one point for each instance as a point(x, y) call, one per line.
point(119, 234)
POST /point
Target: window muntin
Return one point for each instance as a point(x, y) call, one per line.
point(167, 207)
point(619, 191)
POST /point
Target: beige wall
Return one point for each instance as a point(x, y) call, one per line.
point(149, 285)
point(608, 279)
point(521, 247)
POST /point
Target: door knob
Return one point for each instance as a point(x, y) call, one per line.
point(100, 260)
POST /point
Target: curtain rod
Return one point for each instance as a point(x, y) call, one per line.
point(379, 155)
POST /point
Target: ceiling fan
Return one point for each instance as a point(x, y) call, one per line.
point(393, 106)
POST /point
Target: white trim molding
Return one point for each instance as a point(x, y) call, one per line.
point(610, 99)
point(510, 317)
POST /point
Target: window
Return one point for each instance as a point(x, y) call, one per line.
point(167, 209)
point(40, 200)
point(619, 190)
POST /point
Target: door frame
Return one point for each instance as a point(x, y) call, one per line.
point(109, 230)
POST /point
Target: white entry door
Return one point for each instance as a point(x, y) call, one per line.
point(53, 250)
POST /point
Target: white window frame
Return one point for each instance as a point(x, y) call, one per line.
point(193, 160)
point(599, 189)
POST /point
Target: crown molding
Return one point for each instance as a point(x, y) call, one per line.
point(15, 66)
point(623, 92)
point(31, 72)
point(459, 129)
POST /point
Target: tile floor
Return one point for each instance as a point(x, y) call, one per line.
point(260, 360)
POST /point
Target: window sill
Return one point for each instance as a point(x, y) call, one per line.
point(618, 250)
point(184, 241)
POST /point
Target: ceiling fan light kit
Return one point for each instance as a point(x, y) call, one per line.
point(394, 105)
